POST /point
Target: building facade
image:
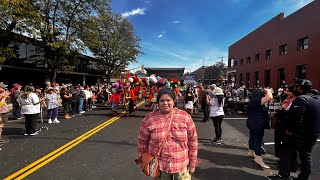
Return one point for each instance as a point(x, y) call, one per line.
point(28, 66)
point(282, 49)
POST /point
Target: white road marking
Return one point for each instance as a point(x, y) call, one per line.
point(272, 143)
point(235, 118)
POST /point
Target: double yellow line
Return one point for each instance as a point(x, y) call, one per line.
point(24, 172)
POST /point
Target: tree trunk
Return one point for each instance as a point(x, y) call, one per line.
point(108, 75)
point(108, 79)
point(47, 80)
point(53, 76)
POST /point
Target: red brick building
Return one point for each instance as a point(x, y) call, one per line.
point(280, 50)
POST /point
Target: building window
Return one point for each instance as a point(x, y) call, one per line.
point(303, 43)
point(240, 80)
point(256, 77)
point(268, 54)
point(241, 62)
point(282, 77)
point(257, 57)
point(248, 79)
point(248, 60)
point(301, 72)
point(283, 49)
point(235, 63)
point(267, 78)
point(231, 63)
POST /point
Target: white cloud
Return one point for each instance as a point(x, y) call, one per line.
point(162, 34)
point(176, 22)
point(187, 58)
point(302, 3)
point(138, 11)
point(289, 6)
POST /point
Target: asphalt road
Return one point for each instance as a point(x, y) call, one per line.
point(69, 150)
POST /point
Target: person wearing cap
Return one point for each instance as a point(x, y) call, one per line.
point(4, 109)
point(216, 104)
point(212, 87)
point(52, 105)
point(257, 121)
point(304, 115)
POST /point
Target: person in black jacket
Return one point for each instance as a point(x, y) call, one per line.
point(305, 117)
point(304, 124)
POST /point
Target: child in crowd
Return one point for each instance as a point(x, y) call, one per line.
point(114, 101)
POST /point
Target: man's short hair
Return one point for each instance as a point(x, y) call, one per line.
point(304, 84)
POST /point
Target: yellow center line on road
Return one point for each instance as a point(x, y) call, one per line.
point(56, 153)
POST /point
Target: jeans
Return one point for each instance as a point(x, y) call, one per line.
point(217, 120)
point(305, 149)
point(75, 106)
point(255, 140)
point(53, 111)
point(81, 104)
point(16, 111)
point(206, 112)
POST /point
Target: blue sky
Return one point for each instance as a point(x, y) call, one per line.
point(192, 33)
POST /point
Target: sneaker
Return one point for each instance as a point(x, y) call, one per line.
point(278, 177)
point(49, 121)
point(259, 161)
point(56, 121)
point(82, 112)
point(216, 141)
point(274, 177)
point(26, 134)
point(33, 134)
point(3, 141)
point(251, 154)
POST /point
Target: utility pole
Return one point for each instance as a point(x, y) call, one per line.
point(221, 59)
point(225, 75)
